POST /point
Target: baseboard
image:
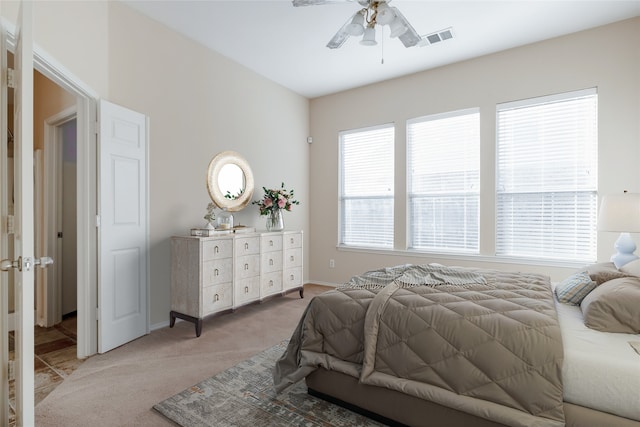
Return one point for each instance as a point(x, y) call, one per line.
point(160, 325)
point(318, 282)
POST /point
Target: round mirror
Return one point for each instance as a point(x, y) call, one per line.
point(230, 181)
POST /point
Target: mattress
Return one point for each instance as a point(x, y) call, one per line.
point(600, 370)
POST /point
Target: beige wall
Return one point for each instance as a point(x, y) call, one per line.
point(201, 103)
point(49, 99)
point(198, 103)
point(607, 58)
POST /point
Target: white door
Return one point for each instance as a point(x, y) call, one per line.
point(4, 245)
point(23, 232)
point(123, 288)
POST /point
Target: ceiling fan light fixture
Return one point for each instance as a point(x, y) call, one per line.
point(369, 38)
point(384, 15)
point(356, 27)
point(397, 27)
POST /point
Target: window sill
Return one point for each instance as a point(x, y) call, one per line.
point(447, 256)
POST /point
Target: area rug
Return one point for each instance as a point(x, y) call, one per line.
point(244, 396)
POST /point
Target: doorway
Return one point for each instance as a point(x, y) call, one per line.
point(58, 233)
point(83, 103)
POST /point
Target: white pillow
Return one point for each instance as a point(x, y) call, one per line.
point(632, 268)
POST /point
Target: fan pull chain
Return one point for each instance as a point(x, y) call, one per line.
point(382, 44)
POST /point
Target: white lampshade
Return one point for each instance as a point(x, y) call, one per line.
point(620, 212)
point(356, 27)
point(369, 38)
point(397, 27)
point(385, 15)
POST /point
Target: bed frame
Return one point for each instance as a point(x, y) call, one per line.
point(398, 409)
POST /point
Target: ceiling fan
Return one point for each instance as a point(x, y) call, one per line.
point(363, 22)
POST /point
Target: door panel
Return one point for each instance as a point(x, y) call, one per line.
point(24, 236)
point(123, 288)
point(4, 245)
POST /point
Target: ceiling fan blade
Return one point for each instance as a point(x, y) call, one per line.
point(341, 36)
point(410, 37)
point(297, 3)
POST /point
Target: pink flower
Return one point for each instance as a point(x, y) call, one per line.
point(268, 202)
point(281, 201)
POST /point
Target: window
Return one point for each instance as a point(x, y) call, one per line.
point(547, 177)
point(366, 187)
point(444, 181)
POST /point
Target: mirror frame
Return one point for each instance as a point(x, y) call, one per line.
point(217, 163)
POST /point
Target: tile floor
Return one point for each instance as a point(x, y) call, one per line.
point(55, 359)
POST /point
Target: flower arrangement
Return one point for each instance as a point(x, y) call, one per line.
point(211, 215)
point(275, 199)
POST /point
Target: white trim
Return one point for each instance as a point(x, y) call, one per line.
point(511, 105)
point(87, 331)
point(463, 257)
point(53, 214)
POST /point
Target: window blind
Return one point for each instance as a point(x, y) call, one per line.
point(547, 176)
point(444, 181)
point(366, 187)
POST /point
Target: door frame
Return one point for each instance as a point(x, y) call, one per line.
point(87, 243)
point(50, 309)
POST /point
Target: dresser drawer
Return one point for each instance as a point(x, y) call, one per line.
point(271, 283)
point(218, 271)
point(247, 290)
point(217, 298)
point(247, 266)
point(247, 246)
point(293, 240)
point(216, 249)
point(271, 261)
point(271, 242)
point(292, 278)
point(293, 258)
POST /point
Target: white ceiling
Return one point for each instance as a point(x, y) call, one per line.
point(286, 44)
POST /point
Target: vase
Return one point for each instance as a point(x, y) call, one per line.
point(275, 220)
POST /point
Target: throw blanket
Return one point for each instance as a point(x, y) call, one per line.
point(480, 341)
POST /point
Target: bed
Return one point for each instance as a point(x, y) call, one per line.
point(442, 346)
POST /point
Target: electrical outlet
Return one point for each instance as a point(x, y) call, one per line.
point(332, 263)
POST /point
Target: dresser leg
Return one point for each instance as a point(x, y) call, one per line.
point(301, 292)
point(195, 320)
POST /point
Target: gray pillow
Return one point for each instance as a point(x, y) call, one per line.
point(603, 272)
point(614, 306)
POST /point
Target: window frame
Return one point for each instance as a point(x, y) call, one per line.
point(342, 198)
point(410, 223)
point(591, 254)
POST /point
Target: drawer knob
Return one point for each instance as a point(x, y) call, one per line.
point(270, 261)
point(216, 297)
point(291, 277)
point(270, 283)
point(216, 272)
point(246, 289)
point(291, 241)
point(246, 266)
point(291, 258)
point(216, 249)
point(246, 246)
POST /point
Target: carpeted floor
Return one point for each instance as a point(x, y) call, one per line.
point(119, 388)
point(243, 396)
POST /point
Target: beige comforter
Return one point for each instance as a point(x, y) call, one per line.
point(480, 341)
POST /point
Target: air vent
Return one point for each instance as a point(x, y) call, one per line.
point(437, 37)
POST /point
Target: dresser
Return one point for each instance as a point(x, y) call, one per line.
point(214, 275)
